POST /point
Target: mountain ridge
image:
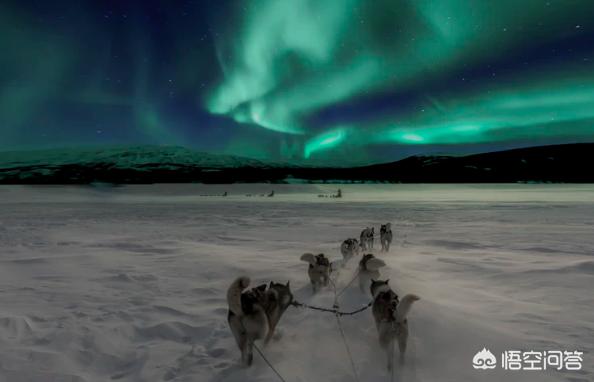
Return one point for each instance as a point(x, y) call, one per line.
point(126, 155)
point(174, 164)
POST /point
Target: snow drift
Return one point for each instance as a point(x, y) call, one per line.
point(129, 283)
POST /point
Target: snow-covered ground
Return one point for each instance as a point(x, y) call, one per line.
point(129, 283)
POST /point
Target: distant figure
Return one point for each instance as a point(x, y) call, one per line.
point(271, 194)
point(366, 238)
point(337, 195)
point(386, 236)
point(225, 193)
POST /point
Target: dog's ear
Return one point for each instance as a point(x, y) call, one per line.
point(387, 281)
point(288, 283)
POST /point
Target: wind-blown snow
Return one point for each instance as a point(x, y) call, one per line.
point(129, 283)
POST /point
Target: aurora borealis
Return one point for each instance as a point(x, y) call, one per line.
point(338, 82)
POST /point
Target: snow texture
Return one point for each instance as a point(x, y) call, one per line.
point(129, 283)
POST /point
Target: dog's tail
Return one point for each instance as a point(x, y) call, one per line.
point(374, 264)
point(234, 294)
point(308, 258)
point(404, 306)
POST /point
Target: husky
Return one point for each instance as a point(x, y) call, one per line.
point(278, 299)
point(367, 238)
point(369, 270)
point(390, 318)
point(349, 248)
point(318, 270)
point(386, 236)
point(254, 314)
point(247, 316)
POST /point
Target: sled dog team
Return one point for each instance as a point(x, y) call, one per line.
point(254, 313)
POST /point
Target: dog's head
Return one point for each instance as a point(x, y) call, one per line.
point(315, 260)
point(322, 260)
point(382, 293)
point(281, 293)
point(379, 286)
point(351, 243)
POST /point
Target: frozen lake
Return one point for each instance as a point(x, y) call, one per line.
point(129, 283)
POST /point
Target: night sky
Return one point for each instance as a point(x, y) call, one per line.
point(327, 82)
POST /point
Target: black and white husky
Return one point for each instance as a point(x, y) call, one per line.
point(386, 236)
point(247, 317)
point(349, 248)
point(318, 270)
point(254, 314)
point(369, 270)
point(366, 238)
point(390, 318)
point(278, 299)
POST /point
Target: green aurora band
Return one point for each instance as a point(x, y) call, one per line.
point(284, 61)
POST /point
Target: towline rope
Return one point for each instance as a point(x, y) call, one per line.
point(341, 330)
point(333, 310)
point(269, 364)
